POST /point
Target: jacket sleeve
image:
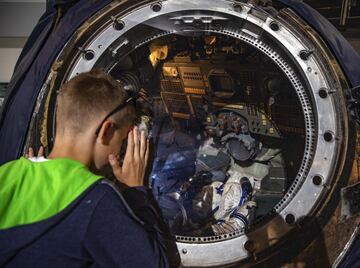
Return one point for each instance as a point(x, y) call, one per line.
point(114, 238)
point(141, 201)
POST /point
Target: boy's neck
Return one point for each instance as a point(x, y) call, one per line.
point(68, 148)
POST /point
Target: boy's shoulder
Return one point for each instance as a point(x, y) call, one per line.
point(12, 163)
point(40, 189)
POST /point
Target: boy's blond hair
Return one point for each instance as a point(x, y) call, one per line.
point(87, 97)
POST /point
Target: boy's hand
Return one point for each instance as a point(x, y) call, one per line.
point(30, 153)
point(133, 169)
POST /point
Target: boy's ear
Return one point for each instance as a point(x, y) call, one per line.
point(106, 132)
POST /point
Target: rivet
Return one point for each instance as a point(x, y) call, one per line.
point(88, 54)
point(328, 136)
point(323, 93)
point(305, 54)
point(274, 26)
point(237, 8)
point(290, 218)
point(317, 180)
point(118, 25)
point(156, 7)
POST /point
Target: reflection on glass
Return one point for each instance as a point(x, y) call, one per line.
point(227, 127)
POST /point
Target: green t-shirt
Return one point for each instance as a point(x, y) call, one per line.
point(34, 191)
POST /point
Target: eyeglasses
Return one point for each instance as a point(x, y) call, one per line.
point(117, 109)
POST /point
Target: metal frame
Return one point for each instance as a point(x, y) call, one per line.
point(320, 157)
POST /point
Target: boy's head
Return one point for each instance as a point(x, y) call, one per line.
point(83, 107)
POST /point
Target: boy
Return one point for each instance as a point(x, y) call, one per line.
point(56, 213)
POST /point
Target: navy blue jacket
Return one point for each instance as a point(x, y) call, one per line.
point(98, 229)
